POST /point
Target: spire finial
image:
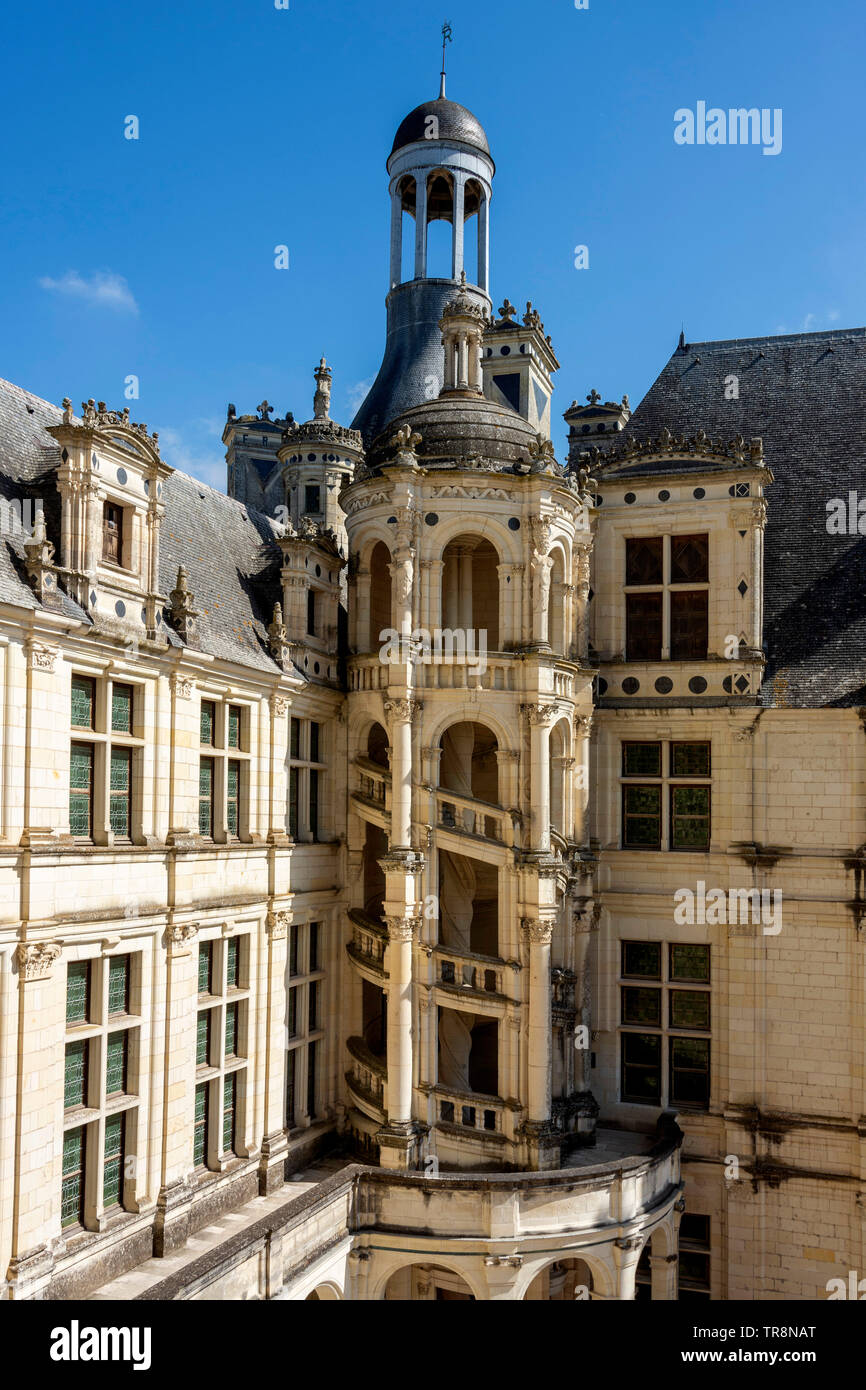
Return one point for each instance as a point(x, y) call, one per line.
point(446, 38)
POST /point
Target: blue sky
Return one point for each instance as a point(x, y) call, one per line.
point(261, 127)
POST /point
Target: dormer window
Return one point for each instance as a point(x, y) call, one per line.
point(112, 533)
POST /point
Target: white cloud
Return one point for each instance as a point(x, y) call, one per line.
point(102, 288)
point(355, 395)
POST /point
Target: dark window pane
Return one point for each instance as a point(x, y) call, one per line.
point(75, 1075)
point(233, 783)
point(232, 963)
point(112, 533)
point(690, 760)
point(314, 742)
point(231, 1030)
point(290, 1088)
point(112, 1173)
point(641, 816)
point(205, 968)
point(690, 559)
point(199, 1142)
point(293, 1013)
point(81, 790)
point(208, 719)
point(202, 1040)
point(694, 1270)
point(78, 992)
point(234, 731)
point(690, 817)
point(689, 624)
point(690, 1008)
point(643, 560)
point(312, 499)
point(643, 627)
point(642, 958)
point(642, 1006)
point(690, 1071)
point(293, 802)
point(116, 1057)
point(314, 803)
point(82, 702)
point(72, 1190)
point(312, 1058)
point(295, 737)
point(120, 797)
point(641, 1067)
point(121, 708)
point(313, 1006)
point(118, 985)
point(293, 950)
point(694, 1230)
point(314, 946)
point(311, 612)
point(641, 760)
point(690, 962)
point(229, 1101)
point(205, 797)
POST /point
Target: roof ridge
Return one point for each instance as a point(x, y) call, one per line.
point(31, 395)
point(770, 338)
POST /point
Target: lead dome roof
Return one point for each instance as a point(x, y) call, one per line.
point(455, 123)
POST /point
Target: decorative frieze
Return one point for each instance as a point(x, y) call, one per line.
point(40, 657)
point(36, 959)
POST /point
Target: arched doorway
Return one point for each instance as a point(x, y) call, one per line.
point(425, 1283)
point(563, 1281)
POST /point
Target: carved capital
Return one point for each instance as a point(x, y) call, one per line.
point(40, 657)
point(279, 706)
point(179, 937)
point(402, 928)
point(542, 715)
point(537, 930)
point(402, 711)
point(507, 755)
point(277, 925)
point(181, 686)
point(36, 959)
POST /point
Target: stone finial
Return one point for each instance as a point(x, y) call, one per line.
point(67, 410)
point(88, 411)
point(322, 398)
point(182, 609)
point(38, 560)
point(532, 318)
point(265, 410)
point(231, 413)
point(507, 311)
point(542, 453)
point(279, 646)
point(594, 396)
point(405, 441)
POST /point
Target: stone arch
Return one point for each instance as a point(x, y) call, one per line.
point(470, 586)
point(603, 1278)
point(378, 745)
point(559, 748)
point(440, 223)
point(326, 1292)
point(381, 608)
point(399, 1265)
point(468, 760)
point(559, 608)
point(467, 711)
point(507, 544)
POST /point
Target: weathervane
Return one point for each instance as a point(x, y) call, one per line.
point(446, 38)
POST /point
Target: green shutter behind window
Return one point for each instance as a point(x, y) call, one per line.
point(690, 1008)
point(72, 1186)
point(121, 709)
point(207, 722)
point(199, 1143)
point(205, 959)
point(115, 1063)
point(78, 992)
point(75, 1075)
point(641, 760)
point(690, 817)
point(234, 726)
point(229, 1096)
point(690, 962)
point(80, 789)
point(118, 985)
point(233, 780)
point(690, 760)
point(232, 963)
point(121, 779)
point(82, 702)
point(202, 1046)
point(205, 797)
point(231, 1030)
point(112, 1180)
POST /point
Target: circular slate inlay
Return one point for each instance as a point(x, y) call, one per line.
point(602, 685)
point(664, 685)
point(630, 497)
point(431, 519)
point(728, 685)
point(513, 523)
point(664, 495)
point(120, 608)
point(598, 499)
point(122, 476)
point(630, 685)
point(505, 350)
point(318, 571)
point(697, 685)
point(316, 667)
point(699, 492)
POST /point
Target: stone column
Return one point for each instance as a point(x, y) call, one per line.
point(582, 730)
point(398, 1140)
point(400, 714)
point(177, 1048)
point(274, 1142)
point(46, 751)
point(38, 1105)
point(540, 718)
point(421, 226)
point(484, 242)
point(626, 1255)
point(539, 934)
point(361, 642)
point(757, 524)
point(464, 588)
point(396, 238)
point(665, 1278)
point(278, 789)
point(459, 219)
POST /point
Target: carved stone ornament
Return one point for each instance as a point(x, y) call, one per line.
point(181, 686)
point(402, 928)
point(279, 706)
point(277, 924)
point(402, 711)
point(538, 930)
point(179, 936)
point(36, 959)
point(40, 657)
point(540, 714)
point(182, 607)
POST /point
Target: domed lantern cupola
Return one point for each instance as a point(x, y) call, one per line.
point(440, 169)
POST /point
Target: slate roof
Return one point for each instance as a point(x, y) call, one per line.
point(455, 123)
point(228, 549)
point(805, 395)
